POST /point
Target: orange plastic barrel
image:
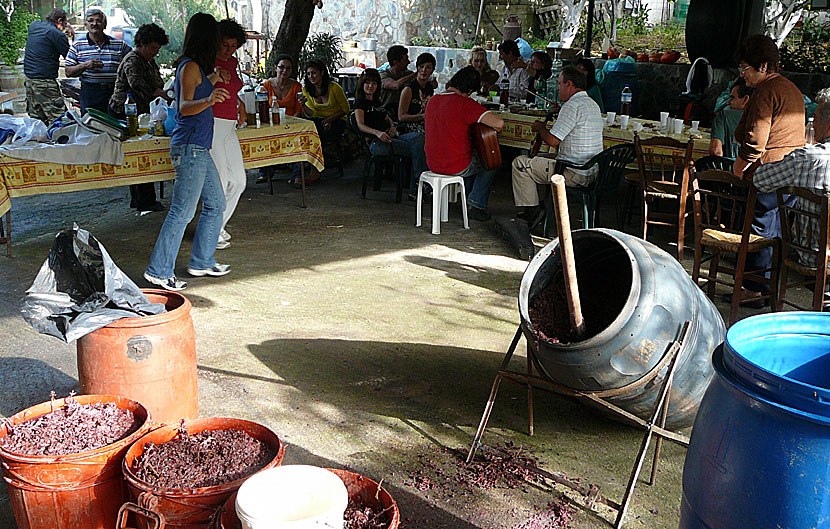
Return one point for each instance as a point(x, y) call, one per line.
point(192, 508)
point(75, 491)
point(151, 359)
point(362, 491)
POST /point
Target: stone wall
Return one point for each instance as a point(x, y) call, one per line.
point(389, 21)
point(447, 60)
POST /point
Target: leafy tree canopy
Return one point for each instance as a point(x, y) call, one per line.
point(172, 16)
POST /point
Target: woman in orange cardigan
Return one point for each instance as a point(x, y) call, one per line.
point(771, 127)
point(285, 88)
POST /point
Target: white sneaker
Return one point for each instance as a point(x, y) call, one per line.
point(171, 283)
point(215, 271)
point(221, 244)
point(224, 235)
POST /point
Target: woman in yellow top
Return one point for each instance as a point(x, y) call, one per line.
point(324, 102)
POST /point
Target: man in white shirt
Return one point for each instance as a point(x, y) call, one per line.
point(514, 70)
point(577, 133)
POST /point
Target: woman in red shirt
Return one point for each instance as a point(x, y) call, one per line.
point(227, 115)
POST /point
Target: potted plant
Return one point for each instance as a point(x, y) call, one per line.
point(324, 46)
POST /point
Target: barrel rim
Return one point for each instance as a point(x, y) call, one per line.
point(609, 331)
point(722, 370)
point(41, 409)
point(194, 426)
point(155, 319)
point(781, 388)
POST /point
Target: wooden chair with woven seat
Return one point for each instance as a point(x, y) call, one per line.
point(664, 165)
point(723, 211)
point(804, 236)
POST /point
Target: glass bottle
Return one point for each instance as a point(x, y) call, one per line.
point(263, 109)
point(131, 111)
point(810, 133)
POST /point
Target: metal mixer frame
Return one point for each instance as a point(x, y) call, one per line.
point(654, 427)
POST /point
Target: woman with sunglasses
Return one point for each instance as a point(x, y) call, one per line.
point(771, 127)
point(285, 89)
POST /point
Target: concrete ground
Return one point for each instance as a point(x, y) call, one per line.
point(362, 341)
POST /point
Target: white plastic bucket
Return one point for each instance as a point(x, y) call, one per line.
point(292, 497)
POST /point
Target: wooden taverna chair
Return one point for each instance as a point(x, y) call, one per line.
point(723, 207)
point(804, 233)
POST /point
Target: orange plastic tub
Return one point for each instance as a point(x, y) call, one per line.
point(75, 491)
point(192, 508)
point(151, 359)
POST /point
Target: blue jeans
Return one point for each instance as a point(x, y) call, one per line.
point(415, 140)
point(477, 182)
point(196, 179)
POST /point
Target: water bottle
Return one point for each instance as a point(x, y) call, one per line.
point(625, 101)
point(504, 99)
point(810, 133)
point(131, 111)
point(275, 112)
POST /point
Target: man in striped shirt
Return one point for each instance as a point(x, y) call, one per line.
point(808, 167)
point(95, 58)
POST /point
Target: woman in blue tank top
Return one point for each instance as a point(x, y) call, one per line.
point(196, 175)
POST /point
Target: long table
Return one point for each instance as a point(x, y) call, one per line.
point(294, 140)
point(517, 133)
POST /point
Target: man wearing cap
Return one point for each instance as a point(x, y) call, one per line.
point(45, 44)
point(95, 60)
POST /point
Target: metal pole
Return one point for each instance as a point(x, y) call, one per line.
point(589, 29)
point(478, 20)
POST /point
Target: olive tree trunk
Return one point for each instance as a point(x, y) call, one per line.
point(296, 21)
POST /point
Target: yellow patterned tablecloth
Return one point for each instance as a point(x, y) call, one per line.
point(517, 133)
point(295, 140)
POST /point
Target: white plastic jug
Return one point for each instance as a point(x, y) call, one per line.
point(292, 497)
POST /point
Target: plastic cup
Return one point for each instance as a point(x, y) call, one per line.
point(664, 119)
point(496, 99)
point(678, 126)
point(695, 125)
point(493, 94)
point(282, 115)
point(612, 117)
point(624, 122)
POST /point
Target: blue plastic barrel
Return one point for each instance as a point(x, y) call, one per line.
point(759, 454)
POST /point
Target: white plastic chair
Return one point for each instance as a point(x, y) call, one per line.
point(440, 199)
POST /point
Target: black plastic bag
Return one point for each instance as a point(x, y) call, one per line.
point(79, 289)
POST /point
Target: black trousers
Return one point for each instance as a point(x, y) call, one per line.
point(96, 95)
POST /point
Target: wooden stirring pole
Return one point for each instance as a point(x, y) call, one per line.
point(563, 224)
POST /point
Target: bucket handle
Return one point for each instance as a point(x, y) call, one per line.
point(156, 518)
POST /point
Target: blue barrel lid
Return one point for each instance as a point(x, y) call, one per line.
point(784, 357)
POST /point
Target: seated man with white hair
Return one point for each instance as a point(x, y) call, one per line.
point(807, 167)
point(578, 135)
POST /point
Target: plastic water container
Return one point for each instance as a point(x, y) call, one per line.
point(758, 454)
point(292, 497)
